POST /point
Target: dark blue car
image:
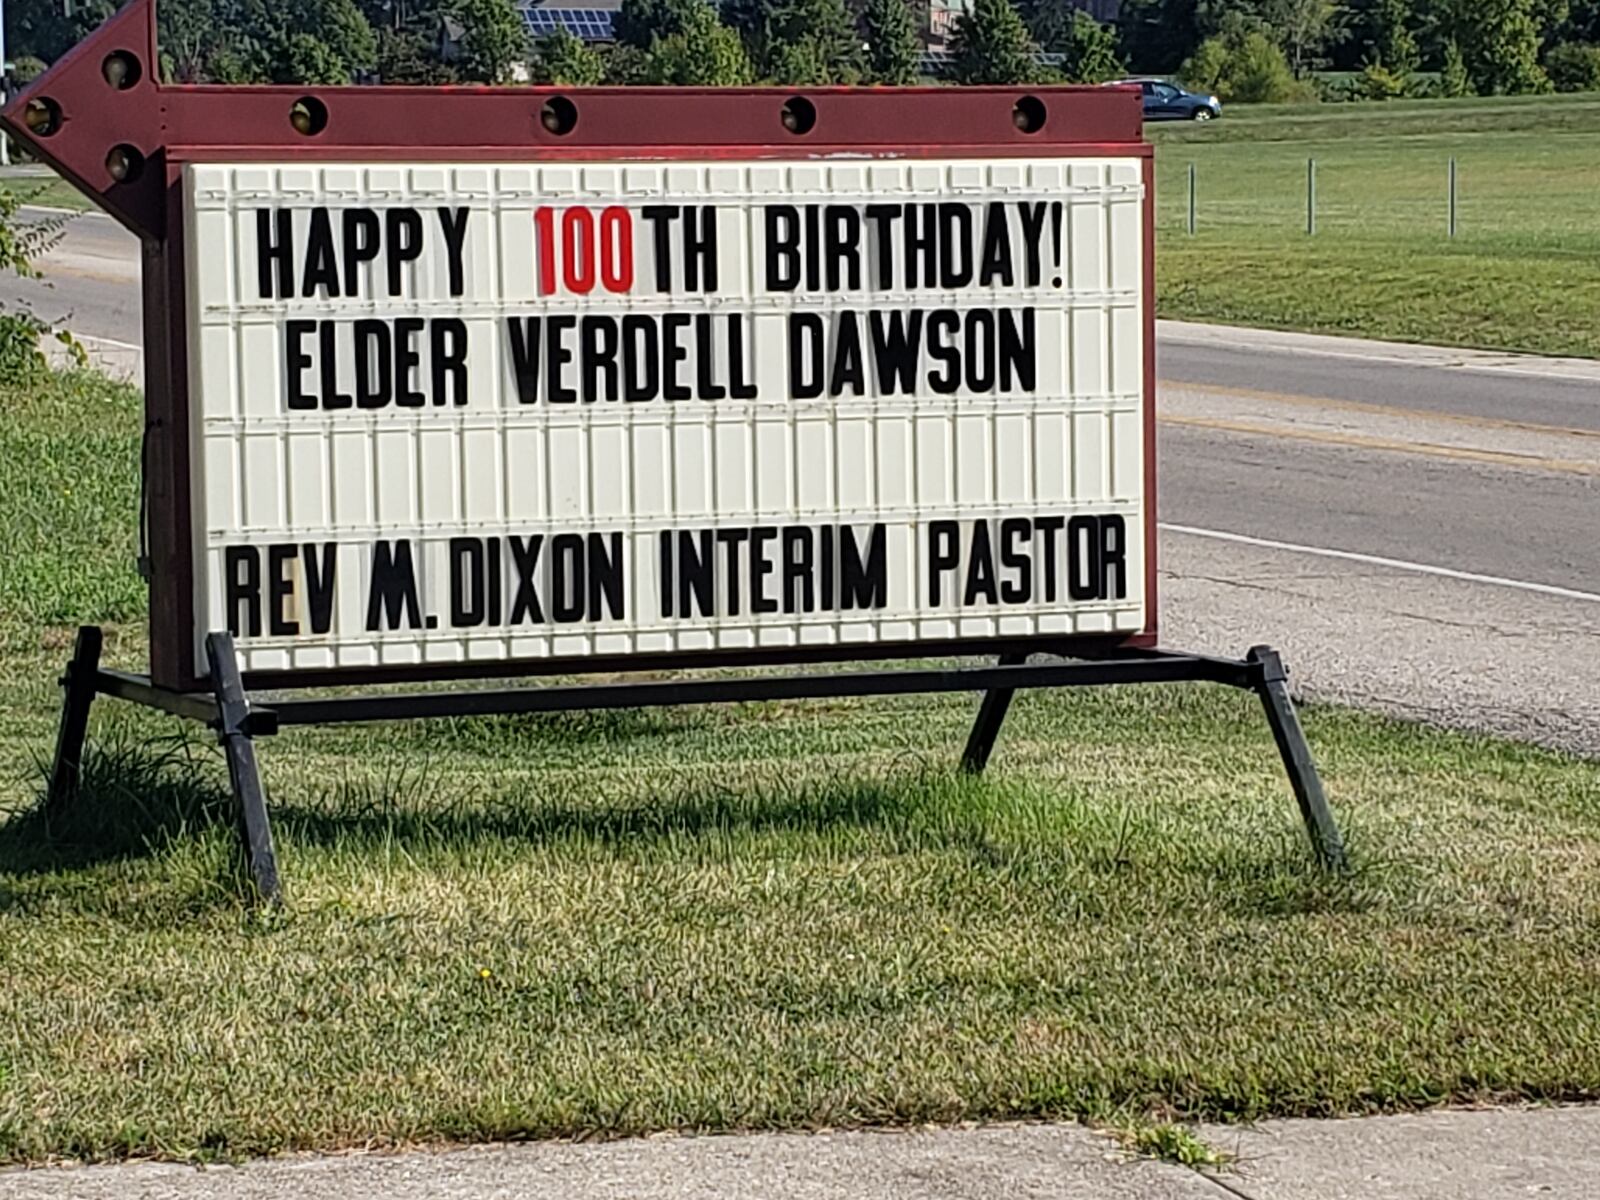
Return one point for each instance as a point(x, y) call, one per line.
point(1165, 101)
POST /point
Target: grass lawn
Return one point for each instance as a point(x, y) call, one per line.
point(1523, 272)
point(780, 915)
point(49, 191)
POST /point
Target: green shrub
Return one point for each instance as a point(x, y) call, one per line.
point(1335, 88)
point(560, 57)
point(1574, 67)
point(1377, 82)
point(1454, 82)
point(1090, 51)
point(1246, 66)
point(21, 360)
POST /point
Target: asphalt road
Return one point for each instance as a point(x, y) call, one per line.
point(91, 282)
point(1414, 527)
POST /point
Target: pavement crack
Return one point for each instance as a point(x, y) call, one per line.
point(1225, 1185)
point(1469, 626)
point(1245, 584)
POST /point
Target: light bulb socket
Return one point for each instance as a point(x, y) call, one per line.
point(125, 163)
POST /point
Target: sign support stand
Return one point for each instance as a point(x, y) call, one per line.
point(1034, 171)
point(228, 710)
point(1273, 688)
point(250, 800)
point(991, 715)
point(79, 683)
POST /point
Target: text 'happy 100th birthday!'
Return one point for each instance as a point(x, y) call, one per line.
point(586, 357)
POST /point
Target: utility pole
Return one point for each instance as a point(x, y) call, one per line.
point(5, 142)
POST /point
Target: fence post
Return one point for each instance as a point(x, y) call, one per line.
point(1193, 202)
point(1453, 197)
point(1311, 197)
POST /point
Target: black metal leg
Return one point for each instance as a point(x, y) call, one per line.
point(233, 715)
point(991, 715)
point(1286, 731)
point(78, 691)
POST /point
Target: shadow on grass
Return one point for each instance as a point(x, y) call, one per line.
point(494, 735)
point(138, 802)
point(134, 799)
point(401, 811)
point(142, 799)
point(137, 798)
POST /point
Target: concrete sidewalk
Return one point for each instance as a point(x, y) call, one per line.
point(1415, 354)
point(1478, 1155)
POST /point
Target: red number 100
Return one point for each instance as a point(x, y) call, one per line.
point(581, 255)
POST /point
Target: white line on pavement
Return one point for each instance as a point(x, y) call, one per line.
point(1375, 560)
point(91, 213)
point(89, 338)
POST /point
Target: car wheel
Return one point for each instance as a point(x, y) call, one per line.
point(1203, 114)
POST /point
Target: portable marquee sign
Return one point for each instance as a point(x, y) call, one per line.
point(491, 382)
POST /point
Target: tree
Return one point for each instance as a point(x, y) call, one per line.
point(1377, 82)
point(626, 66)
point(562, 57)
point(433, 42)
point(1245, 66)
point(329, 37)
point(1305, 28)
point(1235, 18)
point(493, 39)
point(1583, 22)
point(1499, 44)
point(308, 59)
point(640, 22)
point(204, 41)
point(409, 55)
point(809, 42)
point(992, 45)
point(1394, 46)
point(266, 41)
point(893, 48)
point(47, 29)
point(1210, 66)
point(1454, 82)
point(702, 53)
point(1551, 17)
point(1049, 21)
point(1089, 51)
point(749, 19)
point(1158, 35)
point(1574, 67)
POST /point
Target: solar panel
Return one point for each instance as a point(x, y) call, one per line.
point(589, 24)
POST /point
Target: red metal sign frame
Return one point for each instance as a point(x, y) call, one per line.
point(101, 112)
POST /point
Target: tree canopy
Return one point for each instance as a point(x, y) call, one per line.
point(992, 45)
point(1243, 48)
point(893, 48)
